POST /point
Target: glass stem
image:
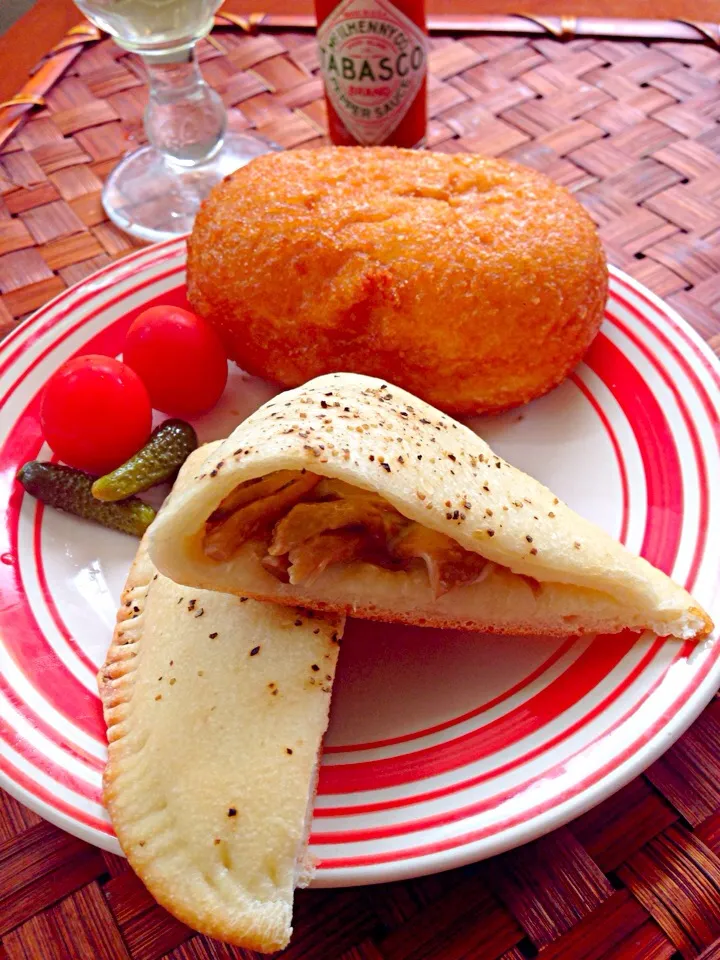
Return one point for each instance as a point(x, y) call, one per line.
point(185, 118)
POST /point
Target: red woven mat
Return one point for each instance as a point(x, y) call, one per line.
point(632, 129)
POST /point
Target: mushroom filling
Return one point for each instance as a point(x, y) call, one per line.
point(303, 523)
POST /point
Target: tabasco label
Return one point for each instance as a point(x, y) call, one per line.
point(373, 60)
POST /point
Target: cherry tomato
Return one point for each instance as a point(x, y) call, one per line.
point(180, 358)
point(95, 413)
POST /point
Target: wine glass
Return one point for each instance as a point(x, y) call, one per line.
point(154, 192)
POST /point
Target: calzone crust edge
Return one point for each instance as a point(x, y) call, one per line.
point(349, 494)
point(216, 710)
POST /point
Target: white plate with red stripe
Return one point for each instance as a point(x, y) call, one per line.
point(444, 747)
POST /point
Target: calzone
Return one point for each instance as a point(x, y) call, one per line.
point(348, 494)
point(216, 706)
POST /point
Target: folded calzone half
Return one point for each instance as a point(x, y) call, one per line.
point(349, 494)
point(216, 708)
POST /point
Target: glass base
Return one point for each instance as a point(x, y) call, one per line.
point(153, 198)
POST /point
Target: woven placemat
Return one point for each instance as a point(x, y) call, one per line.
point(632, 129)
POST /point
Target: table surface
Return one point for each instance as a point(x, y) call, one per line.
point(22, 46)
point(632, 129)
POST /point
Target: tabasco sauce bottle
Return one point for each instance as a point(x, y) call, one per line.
point(373, 58)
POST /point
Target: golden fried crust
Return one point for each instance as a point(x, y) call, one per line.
point(474, 283)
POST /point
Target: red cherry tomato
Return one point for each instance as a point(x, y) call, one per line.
point(95, 413)
point(180, 359)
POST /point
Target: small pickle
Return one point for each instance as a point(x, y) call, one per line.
point(68, 489)
point(159, 460)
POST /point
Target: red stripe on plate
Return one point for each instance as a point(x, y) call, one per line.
point(680, 327)
point(43, 763)
point(476, 712)
point(523, 818)
point(694, 439)
point(663, 475)
point(49, 732)
point(487, 803)
point(592, 666)
point(21, 635)
point(28, 785)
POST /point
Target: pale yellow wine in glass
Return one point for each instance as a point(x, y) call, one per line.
point(155, 191)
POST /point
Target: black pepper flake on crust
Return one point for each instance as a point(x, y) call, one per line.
point(191, 605)
point(491, 533)
point(386, 466)
point(298, 623)
point(452, 457)
point(212, 636)
point(255, 651)
point(288, 750)
point(528, 538)
point(314, 666)
point(534, 551)
point(232, 812)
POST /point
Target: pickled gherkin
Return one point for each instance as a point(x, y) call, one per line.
point(169, 446)
point(68, 489)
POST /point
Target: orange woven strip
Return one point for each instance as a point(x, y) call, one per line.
point(58, 59)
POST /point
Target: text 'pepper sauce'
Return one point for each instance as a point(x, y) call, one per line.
point(373, 59)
